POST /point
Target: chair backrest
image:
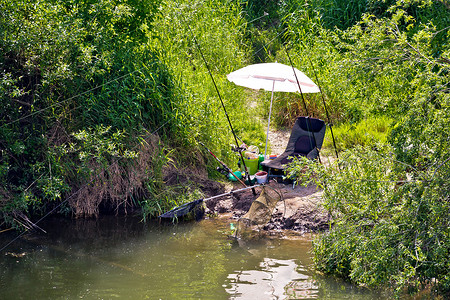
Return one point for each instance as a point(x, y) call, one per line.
point(310, 124)
point(306, 134)
point(304, 144)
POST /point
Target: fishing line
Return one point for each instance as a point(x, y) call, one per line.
point(251, 21)
point(324, 103)
point(270, 42)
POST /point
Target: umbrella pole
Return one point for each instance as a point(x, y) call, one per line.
point(268, 123)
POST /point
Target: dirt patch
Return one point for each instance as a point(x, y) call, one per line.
point(278, 140)
point(299, 208)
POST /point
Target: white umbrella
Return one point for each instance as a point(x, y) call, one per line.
point(273, 77)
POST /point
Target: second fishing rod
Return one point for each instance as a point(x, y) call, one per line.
point(221, 101)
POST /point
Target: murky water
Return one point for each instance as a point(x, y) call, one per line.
point(121, 258)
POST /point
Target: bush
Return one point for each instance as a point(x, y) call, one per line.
point(390, 202)
point(390, 222)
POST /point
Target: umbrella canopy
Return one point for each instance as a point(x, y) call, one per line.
point(273, 77)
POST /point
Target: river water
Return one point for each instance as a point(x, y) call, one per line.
point(123, 258)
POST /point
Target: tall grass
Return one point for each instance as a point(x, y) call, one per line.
point(218, 30)
point(366, 133)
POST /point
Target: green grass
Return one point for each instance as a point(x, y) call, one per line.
point(368, 132)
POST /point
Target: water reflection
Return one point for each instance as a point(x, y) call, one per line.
point(275, 279)
point(123, 258)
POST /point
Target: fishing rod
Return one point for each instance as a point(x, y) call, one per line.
point(223, 164)
point(221, 101)
point(186, 208)
point(308, 121)
point(325, 105)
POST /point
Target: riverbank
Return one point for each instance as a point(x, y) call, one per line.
point(299, 208)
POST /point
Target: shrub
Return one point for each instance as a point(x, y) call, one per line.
point(390, 221)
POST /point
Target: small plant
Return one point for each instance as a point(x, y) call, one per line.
point(304, 171)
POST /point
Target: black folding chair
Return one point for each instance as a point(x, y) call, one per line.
point(306, 140)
